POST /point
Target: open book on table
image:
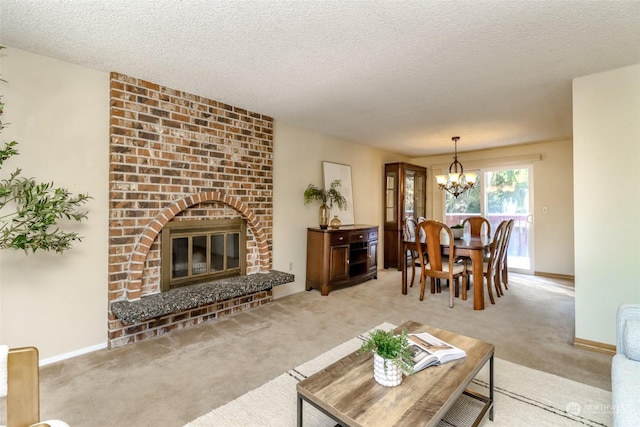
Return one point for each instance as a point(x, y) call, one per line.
point(428, 350)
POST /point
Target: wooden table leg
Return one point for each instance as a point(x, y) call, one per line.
point(478, 280)
point(404, 268)
point(491, 387)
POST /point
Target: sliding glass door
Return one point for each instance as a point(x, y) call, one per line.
point(508, 196)
point(500, 194)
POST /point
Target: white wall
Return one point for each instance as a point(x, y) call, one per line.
point(606, 127)
point(552, 163)
point(59, 115)
point(298, 157)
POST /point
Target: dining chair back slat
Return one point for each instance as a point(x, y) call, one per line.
point(503, 268)
point(476, 224)
point(492, 270)
point(410, 227)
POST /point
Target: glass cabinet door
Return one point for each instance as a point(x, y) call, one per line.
point(409, 194)
point(419, 190)
point(414, 194)
point(390, 197)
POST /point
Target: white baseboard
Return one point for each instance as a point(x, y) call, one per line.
point(75, 353)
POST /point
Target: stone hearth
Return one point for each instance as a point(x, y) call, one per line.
point(200, 295)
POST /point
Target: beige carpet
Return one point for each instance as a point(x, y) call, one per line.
point(523, 397)
point(174, 379)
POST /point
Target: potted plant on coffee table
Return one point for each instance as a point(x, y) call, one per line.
point(328, 198)
point(390, 355)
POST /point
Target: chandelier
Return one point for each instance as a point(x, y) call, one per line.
point(456, 181)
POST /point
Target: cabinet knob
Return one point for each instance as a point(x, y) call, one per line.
point(341, 238)
point(360, 237)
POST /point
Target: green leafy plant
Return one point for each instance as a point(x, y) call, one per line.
point(328, 197)
point(389, 346)
point(457, 226)
point(30, 211)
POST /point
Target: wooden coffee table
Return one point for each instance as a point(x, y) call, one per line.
point(347, 392)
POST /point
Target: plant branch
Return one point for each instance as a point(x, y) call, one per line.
point(328, 197)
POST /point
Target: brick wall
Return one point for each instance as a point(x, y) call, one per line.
point(175, 155)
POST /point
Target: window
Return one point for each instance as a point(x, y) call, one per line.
point(498, 195)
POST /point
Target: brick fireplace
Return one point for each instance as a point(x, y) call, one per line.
point(176, 156)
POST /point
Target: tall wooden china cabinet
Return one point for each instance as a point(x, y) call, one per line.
point(404, 195)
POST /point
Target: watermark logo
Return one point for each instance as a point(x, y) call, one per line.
point(573, 408)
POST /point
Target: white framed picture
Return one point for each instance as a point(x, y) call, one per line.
point(331, 172)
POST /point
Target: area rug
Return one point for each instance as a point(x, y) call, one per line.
point(523, 397)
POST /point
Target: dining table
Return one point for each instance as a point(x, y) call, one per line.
point(472, 247)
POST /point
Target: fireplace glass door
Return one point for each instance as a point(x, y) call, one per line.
point(198, 251)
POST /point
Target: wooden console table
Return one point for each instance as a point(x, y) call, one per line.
point(345, 256)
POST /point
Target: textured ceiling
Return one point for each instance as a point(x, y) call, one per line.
point(399, 75)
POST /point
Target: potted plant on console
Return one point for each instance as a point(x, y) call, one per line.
point(390, 352)
point(328, 198)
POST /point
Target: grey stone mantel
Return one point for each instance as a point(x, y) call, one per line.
point(188, 297)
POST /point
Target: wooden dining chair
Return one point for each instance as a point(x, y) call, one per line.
point(491, 264)
point(503, 267)
point(410, 227)
point(437, 266)
point(23, 390)
point(476, 224)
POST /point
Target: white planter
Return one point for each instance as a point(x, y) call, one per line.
point(457, 233)
point(393, 375)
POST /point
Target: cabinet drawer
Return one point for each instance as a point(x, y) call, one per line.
point(339, 239)
point(360, 236)
point(373, 235)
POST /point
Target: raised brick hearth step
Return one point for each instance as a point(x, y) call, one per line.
point(188, 297)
